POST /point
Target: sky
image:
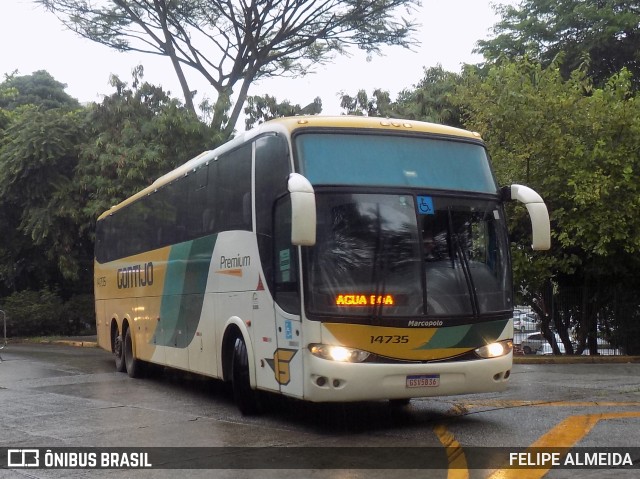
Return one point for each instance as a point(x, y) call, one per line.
point(33, 39)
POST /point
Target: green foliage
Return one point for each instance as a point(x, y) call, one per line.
point(41, 313)
point(38, 155)
point(577, 146)
point(61, 168)
point(32, 313)
point(264, 108)
point(432, 100)
point(379, 104)
point(78, 316)
point(137, 135)
point(576, 149)
point(602, 34)
point(39, 89)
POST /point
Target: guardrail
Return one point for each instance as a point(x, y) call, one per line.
point(4, 329)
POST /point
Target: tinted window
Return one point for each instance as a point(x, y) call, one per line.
point(286, 259)
point(386, 160)
point(210, 199)
point(272, 172)
point(234, 190)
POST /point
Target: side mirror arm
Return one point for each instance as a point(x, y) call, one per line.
point(540, 224)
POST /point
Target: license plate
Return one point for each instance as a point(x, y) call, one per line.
point(423, 381)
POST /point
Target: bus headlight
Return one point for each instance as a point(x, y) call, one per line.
point(338, 353)
point(495, 350)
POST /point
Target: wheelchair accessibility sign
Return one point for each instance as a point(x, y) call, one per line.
point(425, 205)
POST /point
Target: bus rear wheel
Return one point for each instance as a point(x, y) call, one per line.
point(134, 366)
point(118, 353)
point(245, 398)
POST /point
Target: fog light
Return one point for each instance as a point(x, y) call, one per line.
point(495, 350)
point(338, 353)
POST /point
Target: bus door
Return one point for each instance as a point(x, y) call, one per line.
point(276, 337)
point(279, 340)
point(276, 326)
point(288, 356)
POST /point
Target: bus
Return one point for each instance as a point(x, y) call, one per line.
point(328, 259)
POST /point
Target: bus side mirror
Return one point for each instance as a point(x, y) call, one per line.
point(303, 211)
point(540, 225)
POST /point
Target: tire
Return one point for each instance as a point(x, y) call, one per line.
point(134, 366)
point(245, 398)
point(527, 350)
point(118, 354)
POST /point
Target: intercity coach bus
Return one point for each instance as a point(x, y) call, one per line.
point(326, 259)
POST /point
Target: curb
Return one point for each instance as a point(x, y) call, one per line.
point(79, 344)
point(575, 359)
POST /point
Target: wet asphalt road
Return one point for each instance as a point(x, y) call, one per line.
point(60, 396)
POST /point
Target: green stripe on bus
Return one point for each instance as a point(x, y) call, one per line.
point(466, 336)
point(184, 288)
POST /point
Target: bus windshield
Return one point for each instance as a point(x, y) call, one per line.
point(394, 160)
point(385, 255)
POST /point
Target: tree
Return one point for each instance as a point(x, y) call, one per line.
point(234, 43)
point(604, 34)
point(580, 153)
point(60, 169)
point(263, 108)
point(379, 104)
point(432, 99)
point(38, 155)
point(39, 88)
point(137, 134)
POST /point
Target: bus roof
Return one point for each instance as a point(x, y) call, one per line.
point(296, 123)
point(374, 123)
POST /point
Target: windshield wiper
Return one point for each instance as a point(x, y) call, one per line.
point(466, 269)
point(377, 273)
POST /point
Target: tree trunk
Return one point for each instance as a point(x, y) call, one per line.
point(220, 109)
point(186, 91)
point(237, 108)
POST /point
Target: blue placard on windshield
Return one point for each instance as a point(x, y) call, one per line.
point(425, 205)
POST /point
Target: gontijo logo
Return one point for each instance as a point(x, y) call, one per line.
point(135, 276)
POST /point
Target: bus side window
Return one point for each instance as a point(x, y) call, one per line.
point(271, 172)
point(197, 190)
point(210, 214)
point(233, 185)
point(285, 257)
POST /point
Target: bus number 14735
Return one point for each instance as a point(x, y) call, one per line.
point(389, 339)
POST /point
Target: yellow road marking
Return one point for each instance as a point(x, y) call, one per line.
point(506, 403)
point(566, 434)
point(457, 460)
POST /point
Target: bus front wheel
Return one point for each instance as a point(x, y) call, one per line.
point(245, 398)
point(134, 366)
